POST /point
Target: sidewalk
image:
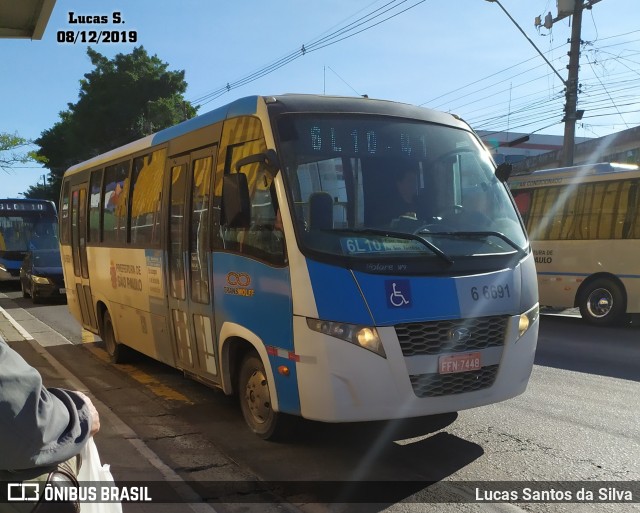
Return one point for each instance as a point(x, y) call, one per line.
point(118, 444)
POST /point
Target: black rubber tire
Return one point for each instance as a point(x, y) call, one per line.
point(24, 291)
point(114, 349)
point(34, 297)
point(255, 400)
point(602, 302)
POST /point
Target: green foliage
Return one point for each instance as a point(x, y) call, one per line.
point(12, 152)
point(42, 191)
point(120, 100)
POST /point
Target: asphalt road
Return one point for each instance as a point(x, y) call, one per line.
point(578, 421)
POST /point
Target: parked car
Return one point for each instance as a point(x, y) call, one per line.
point(41, 275)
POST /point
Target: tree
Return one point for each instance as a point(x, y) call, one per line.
point(42, 191)
point(12, 152)
point(120, 100)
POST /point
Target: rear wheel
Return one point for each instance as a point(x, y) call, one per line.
point(255, 400)
point(602, 302)
point(111, 345)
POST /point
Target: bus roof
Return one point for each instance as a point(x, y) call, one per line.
point(283, 103)
point(546, 177)
point(333, 104)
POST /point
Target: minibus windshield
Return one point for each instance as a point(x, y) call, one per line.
point(359, 184)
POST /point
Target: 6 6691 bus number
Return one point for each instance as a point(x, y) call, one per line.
point(490, 292)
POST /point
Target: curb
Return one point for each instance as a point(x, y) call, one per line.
point(11, 330)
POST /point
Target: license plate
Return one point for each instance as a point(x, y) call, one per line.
point(63, 291)
point(459, 363)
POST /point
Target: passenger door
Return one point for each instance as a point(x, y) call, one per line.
point(79, 255)
point(189, 263)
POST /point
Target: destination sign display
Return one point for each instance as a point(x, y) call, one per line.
point(9, 205)
point(360, 245)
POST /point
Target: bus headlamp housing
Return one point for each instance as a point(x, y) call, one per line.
point(363, 336)
point(527, 319)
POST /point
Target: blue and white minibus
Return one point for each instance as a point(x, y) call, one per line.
point(264, 248)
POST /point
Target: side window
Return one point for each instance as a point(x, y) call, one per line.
point(614, 210)
point(95, 185)
point(146, 180)
point(263, 239)
point(114, 203)
point(540, 219)
point(633, 229)
point(588, 207)
point(242, 137)
point(75, 230)
point(64, 215)
point(199, 230)
point(588, 211)
point(177, 286)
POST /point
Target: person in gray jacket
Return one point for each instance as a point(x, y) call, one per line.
point(39, 427)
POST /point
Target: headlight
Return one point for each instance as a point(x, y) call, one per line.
point(363, 336)
point(527, 319)
point(41, 280)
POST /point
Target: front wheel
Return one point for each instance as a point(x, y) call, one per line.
point(255, 400)
point(602, 302)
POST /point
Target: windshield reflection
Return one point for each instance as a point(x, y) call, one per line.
point(366, 186)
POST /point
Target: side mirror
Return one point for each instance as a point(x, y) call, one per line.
point(269, 159)
point(503, 171)
point(236, 205)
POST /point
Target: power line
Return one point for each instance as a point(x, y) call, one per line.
point(366, 21)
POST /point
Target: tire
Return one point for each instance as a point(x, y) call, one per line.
point(113, 348)
point(34, 297)
point(24, 291)
point(602, 302)
point(255, 400)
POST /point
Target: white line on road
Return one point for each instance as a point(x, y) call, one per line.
point(122, 429)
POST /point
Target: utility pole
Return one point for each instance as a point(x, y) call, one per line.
point(572, 86)
point(571, 114)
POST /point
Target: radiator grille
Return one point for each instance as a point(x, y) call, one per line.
point(451, 336)
point(435, 385)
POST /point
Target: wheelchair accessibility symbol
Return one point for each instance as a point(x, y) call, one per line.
point(398, 293)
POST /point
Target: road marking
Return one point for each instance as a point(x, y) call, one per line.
point(146, 380)
point(121, 429)
point(16, 325)
point(87, 336)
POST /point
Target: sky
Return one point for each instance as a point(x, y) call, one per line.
point(461, 56)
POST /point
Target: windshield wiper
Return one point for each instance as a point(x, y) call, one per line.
point(501, 236)
point(400, 235)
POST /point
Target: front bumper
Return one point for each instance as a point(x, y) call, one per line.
point(339, 382)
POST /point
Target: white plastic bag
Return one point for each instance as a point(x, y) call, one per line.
point(93, 473)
